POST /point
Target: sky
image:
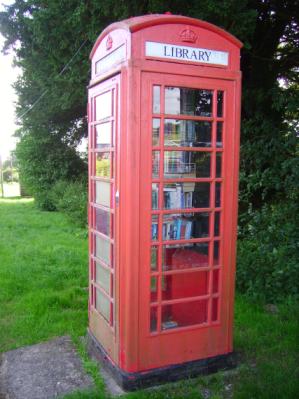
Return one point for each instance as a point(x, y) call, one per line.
point(8, 75)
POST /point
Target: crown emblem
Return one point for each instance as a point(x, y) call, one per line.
point(109, 43)
point(187, 35)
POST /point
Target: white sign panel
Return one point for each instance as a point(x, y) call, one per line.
point(113, 58)
point(182, 53)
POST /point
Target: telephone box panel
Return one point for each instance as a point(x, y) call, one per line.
point(164, 110)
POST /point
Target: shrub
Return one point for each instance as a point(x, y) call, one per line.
point(268, 253)
point(71, 198)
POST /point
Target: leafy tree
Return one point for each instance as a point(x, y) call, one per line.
point(46, 37)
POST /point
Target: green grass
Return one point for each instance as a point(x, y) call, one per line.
point(43, 294)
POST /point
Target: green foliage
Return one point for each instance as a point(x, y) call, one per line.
point(44, 161)
point(45, 36)
point(268, 248)
point(43, 280)
point(71, 198)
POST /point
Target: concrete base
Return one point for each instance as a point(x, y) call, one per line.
point(134, 381)
point(44, 371)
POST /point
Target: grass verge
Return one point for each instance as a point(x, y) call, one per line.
point(43, 294)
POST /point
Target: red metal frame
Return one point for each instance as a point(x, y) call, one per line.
point(128, 340)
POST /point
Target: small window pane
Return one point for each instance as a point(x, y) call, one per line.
point(215, 309)
point(188, 101)
point(215, 281)
point(153, 319)
point(104, 105)
point(154, 259)
point(103, 305)
point(154, 289)
point(189, 256)
point(156, 99)
point(216, 253)
point(103, 193)
point(155, 196)
point(103, 164)
point(219, 135)
point(185, 226)
point(218, 164)
point(186, 195)
point(220, 103)
point(156, 132)
point(217, 224)
point(184, 314)
point(102, 249)
point(185, 285)
point(103, 132)
point(102, 221)
point(180, 133)
point(154, 227)
point(186, 164)
point(103, 278)
point(218, 195)
point(155, 164)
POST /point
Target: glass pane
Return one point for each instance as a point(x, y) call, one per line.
point(188, 101)
point(154, 259)
point(156, 99)
point(214, 309)
point(179, 133)
point(103, 305)
point(103, 164)
point(215, 281)
point(216, 253)
point(102, 249)
point(184, 314)
point(217, 224)
point(156, 132)
point(103, 193)
point(103, 278)
point(155, 196)
point(185, 226)
point(218, 195)
point(155, 163)
point(102, 221)
point(189, 256)
point(154, 227)
point(103, 132)
point(218, 164)
point(104, 105)
point(219, 134)
point(220, 103)
point(186, 195)
point(185, 285)
point(154, 289)
point(153, 320)
point(186, 164)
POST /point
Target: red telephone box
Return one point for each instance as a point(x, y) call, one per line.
point(164, 116)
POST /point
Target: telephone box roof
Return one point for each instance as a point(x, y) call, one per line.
point(135, 24)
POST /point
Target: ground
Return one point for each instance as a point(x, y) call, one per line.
point(43, 295)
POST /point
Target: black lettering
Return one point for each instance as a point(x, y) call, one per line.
point(165, 52)
point(193, 55)
point(178, 52)
point(208, 54)
point(185, 53)
point(201, 55)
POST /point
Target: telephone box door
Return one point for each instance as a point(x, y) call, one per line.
point(188, 218)
point(103, 212)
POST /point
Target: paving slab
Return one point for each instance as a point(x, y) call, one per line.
point(45, 371)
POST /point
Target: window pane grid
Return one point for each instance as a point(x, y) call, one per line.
point(159, 322)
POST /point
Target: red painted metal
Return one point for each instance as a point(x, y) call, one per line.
point(181, 308)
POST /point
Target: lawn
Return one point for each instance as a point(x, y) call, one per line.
point(43, 294)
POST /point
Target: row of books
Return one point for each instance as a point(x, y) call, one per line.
point(174, 198)
point(174, 229)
